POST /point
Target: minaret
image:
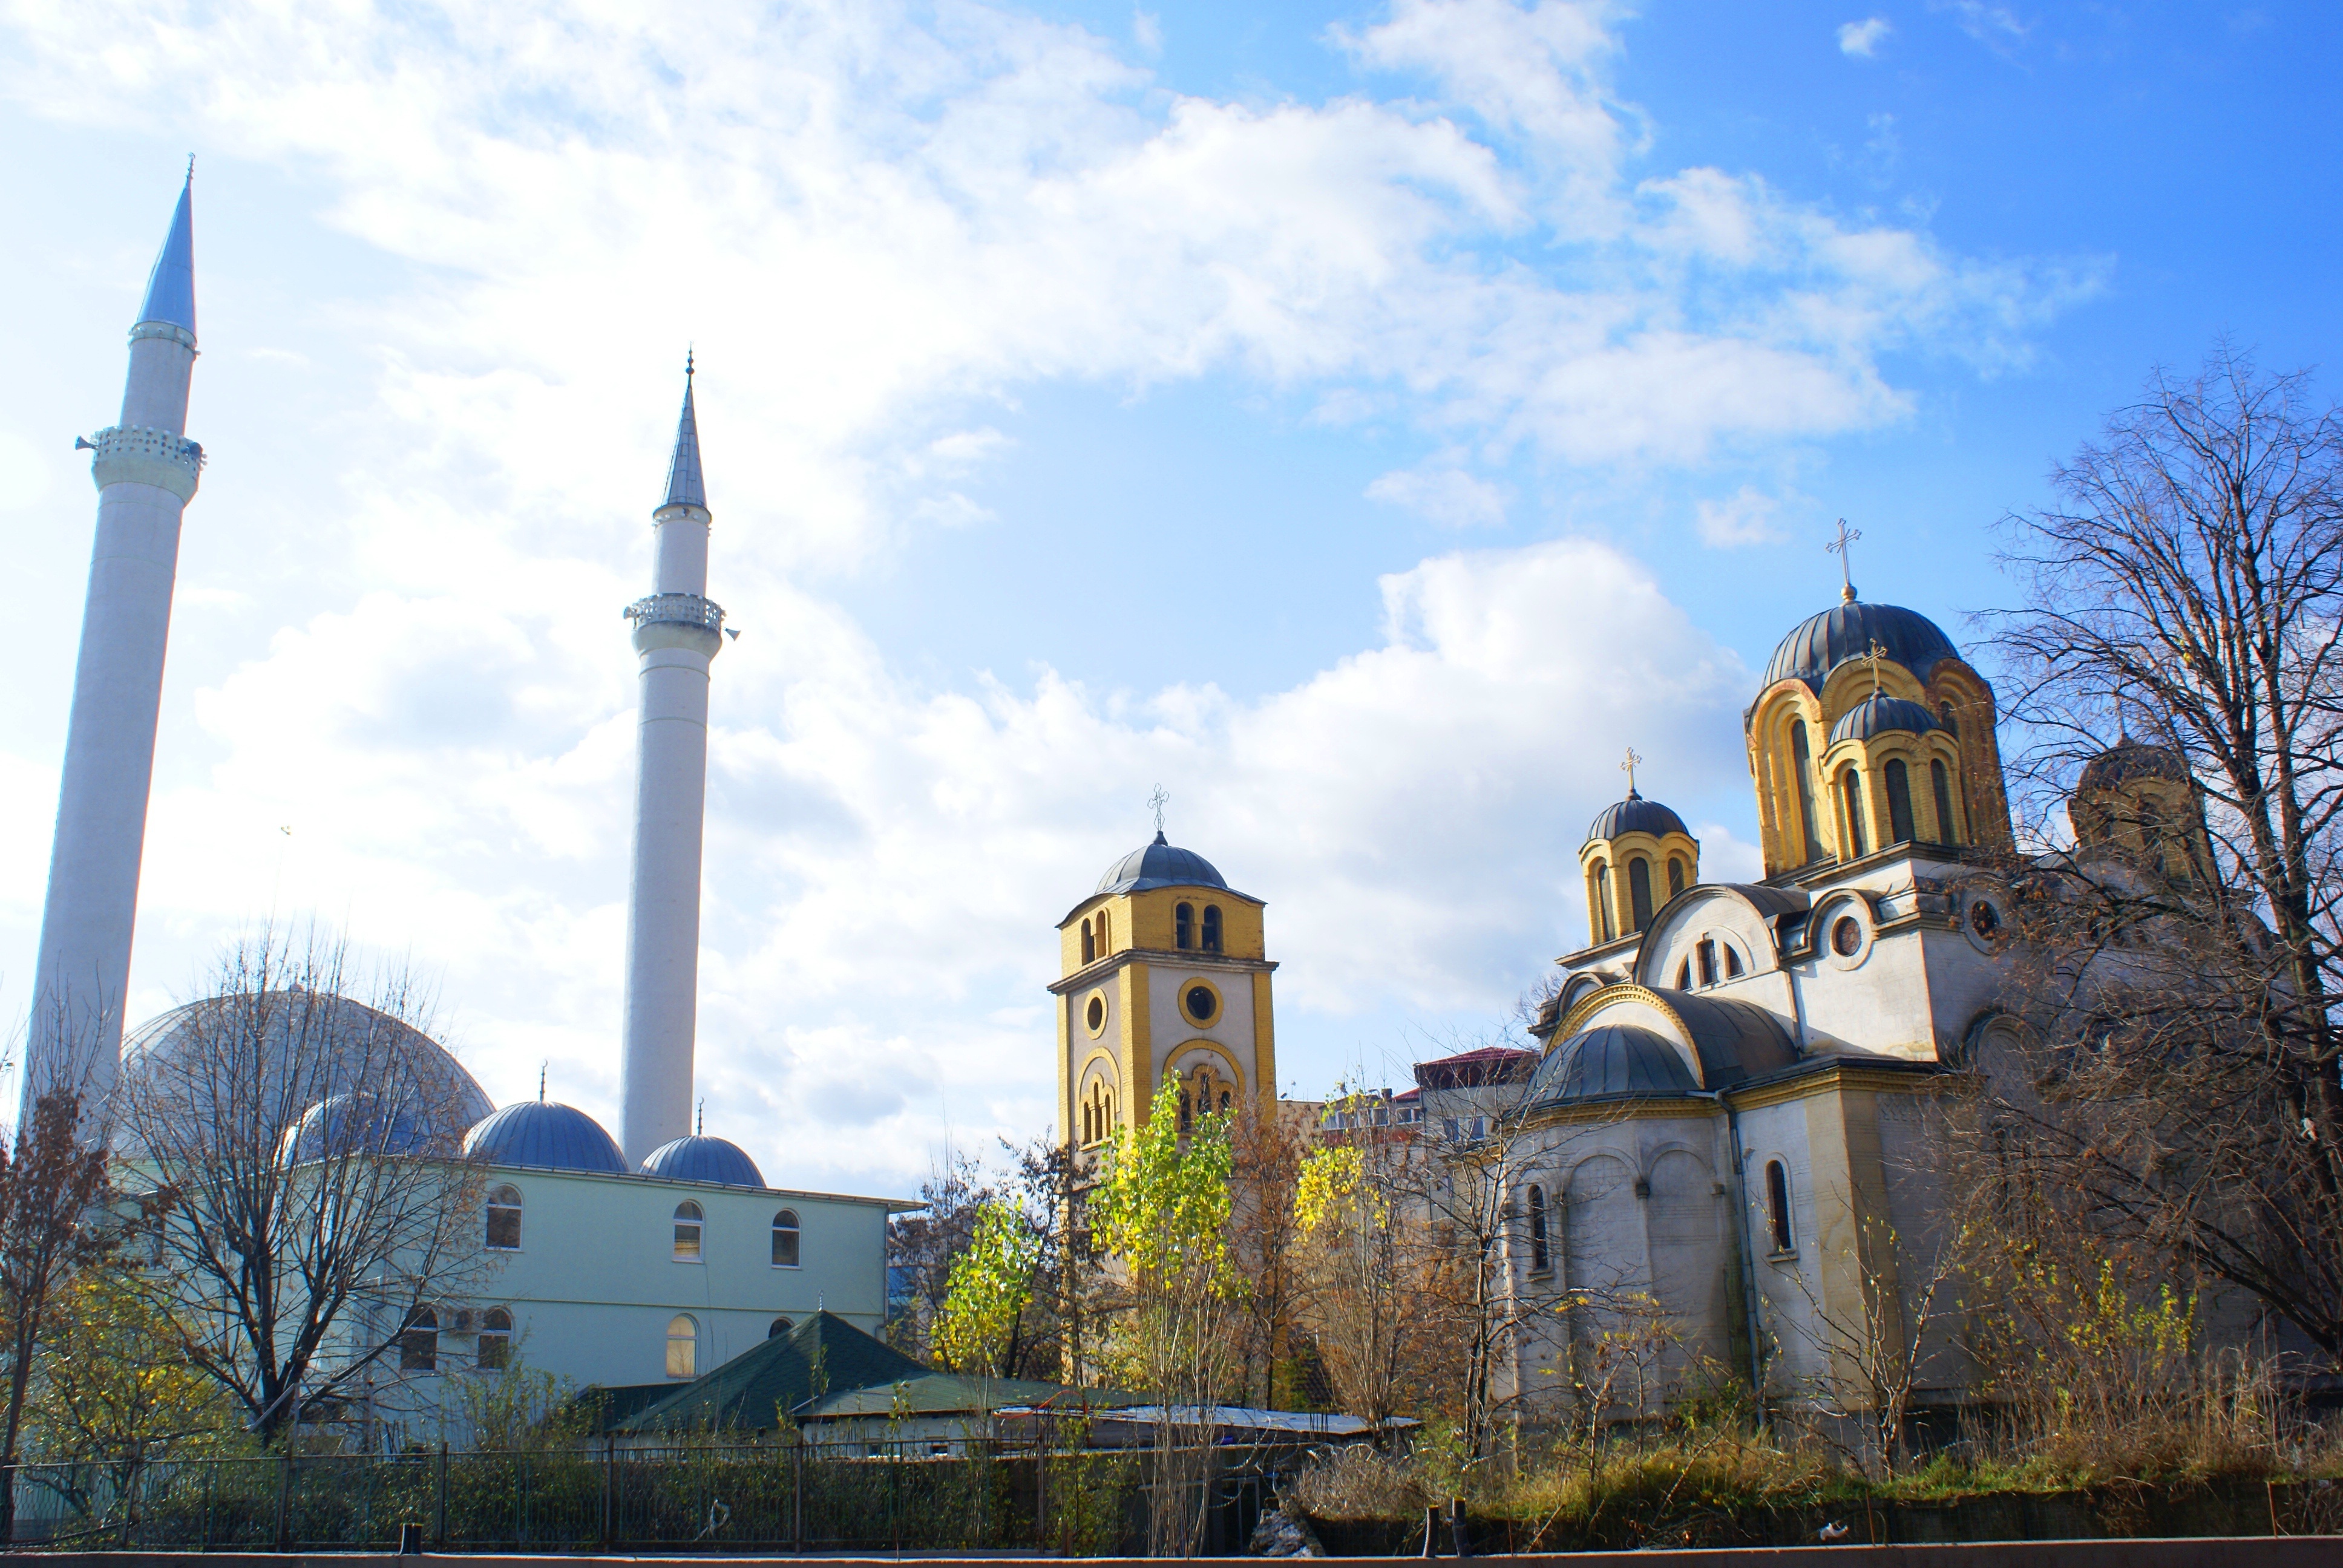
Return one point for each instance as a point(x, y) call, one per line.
point(145, 470)
point(676, 633)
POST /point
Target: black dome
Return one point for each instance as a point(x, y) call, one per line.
point(2130, 759)
point(1821, 643)
point(547, 1136)
point(1879, 714)
point(1611, 1060)
point(1159, 865)
point(1636, 815)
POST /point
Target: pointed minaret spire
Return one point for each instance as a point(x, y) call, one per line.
point(683, 484)
point(171, 286)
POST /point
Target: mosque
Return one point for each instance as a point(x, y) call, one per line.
point(646, 1258)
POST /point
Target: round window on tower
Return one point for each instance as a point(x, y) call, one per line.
point(1201, 1003)
point(1094, 1013)
point(1847, 937)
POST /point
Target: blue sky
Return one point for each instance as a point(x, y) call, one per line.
point(1364, 420)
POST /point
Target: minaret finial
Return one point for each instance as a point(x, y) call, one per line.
point(684, 486)
point(1838, 547)
point(1156, 802)
point(1628, 766)
point(191, 168)
point(540, 1082)
point(699, 1122)
point(171, 286)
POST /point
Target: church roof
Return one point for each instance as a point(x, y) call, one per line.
point(684, 488)
point(1634, 815)
point(2128, 759)
point(1159, 864)
point(1611, 1062)
point(699, 1158)
point(547, 1136)
point(1821, 643)
point(1880, 714)
point(171, 286)
point(1734, 1040)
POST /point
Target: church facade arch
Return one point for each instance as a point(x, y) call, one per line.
point(1716, 912)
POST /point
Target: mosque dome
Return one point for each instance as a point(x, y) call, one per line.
point(1609, 1061)
point(1634, 815)
point(549, 1137)
point(1159, 865)
point(1821, 643)
point(703, 1158)
point(2129, 760)
point(275, 1045)
point(1880, 714)
point(359, 1123)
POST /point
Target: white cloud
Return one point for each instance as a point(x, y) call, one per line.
point(1745, 517)
point(1447, 496)
point(1995, 26)
point(24, 473)
point(1861, 39)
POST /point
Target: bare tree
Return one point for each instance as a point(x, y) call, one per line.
point(923, 1245)
point(2184, 601)
point(1265, 1165)
point(307, 1146)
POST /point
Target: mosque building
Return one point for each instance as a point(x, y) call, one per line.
point(643, 1260)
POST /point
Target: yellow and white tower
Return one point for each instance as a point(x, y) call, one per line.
point(1162, 975)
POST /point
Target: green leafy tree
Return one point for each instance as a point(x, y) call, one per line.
point(978, 1328)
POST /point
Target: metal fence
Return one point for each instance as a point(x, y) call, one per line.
point(860, 1497)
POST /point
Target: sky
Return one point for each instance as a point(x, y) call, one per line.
point(1365, 422)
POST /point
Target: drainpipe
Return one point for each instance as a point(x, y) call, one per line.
point(1748, 1257)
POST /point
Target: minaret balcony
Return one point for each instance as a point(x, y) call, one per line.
point(677, 620)
point(135, 455)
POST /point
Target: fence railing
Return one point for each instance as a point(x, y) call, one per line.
point(767, 1498)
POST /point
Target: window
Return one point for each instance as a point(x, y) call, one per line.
point(496, 1340)
point(504, 1218)
point(418, 1342)
point(1538, 1261)
point(784, 1239)
point(1683, 975)
point(1211, 928)
point(1899, 801)
point(1639, 890)
point(1604, 931)
point(1945, 715)
point(1201, 1003)
point(1095, 1015)
point(1777, 1205)
point(1802, 763)
point(1847, 937)
point(779, 1327)
point(1941, 782)
point(1675, 875)
point(1224, 1100)
point(687, 1233)
point(1183, 927)
point(682, 1346)
point(1850, 788)
point(1089, 945)
point(1707, 953)
point(1106, 933)
point(1731, 962)
point(1448, 1127)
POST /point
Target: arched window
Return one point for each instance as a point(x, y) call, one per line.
point(1945, 717)
point(1707, 953)
point(779, 1327)
point(1089, 1135)
point(1899, 801)
point(496, 1340)
point(1602, 902)
point(1802, 763)
point(418, 1342)
point(1106, 933)
point(1090, 944)
point(1639, 890)
point(1539, 1260)
point(1675, 875)
point(1683, 975)
point(682, 1346)
point(1183, 927)
point(1948, 831)
point(1777, 1205)
point(784, 1239)
point(504, 1218)
point(1224, 1100)
point(687, 1220)
point(1850, 788)
point(1211, 928)
point(1187, 1111)
point(1731, 962)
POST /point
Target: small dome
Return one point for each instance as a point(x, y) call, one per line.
point(1609, 1060)
point(1879, 714)
point(1159, 865)
point(549, 1137)
point(360, 1124)
point(703, 1158)
point(1636, 815)
point(1821, 643)
point(2130, 759)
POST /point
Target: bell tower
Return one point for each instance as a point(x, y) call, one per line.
point(1162, 974)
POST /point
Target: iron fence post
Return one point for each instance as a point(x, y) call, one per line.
point(439, 1510)
point(609, 1453)
point(285, 1498)
point(205, 1532)
point(797, 1494)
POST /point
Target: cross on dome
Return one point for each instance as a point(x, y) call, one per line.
point(1156, 802)
point(1628, 767)
point(1841, 547)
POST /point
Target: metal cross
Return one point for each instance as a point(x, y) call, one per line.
point(1628, 767)
point(1874, 656)
point(1156, 802)
point(1838, 547)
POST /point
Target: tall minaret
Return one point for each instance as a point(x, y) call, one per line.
point(677, 631)
point(146, 469)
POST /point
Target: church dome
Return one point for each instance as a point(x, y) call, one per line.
point(703, 1158)
point(1880, 714)
point(1159, 865)
point(1611, 1061)
point(549, 1137)
point(359, 1123)
point(1634, 815)
point(1821, 643)
point(2131, 759)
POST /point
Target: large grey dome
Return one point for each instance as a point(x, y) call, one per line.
point(549, 1137)
point(1636, 815)
point(1879, 714)
point(1821, 643)
point(2128, 759)
point(1609, 1062)
point(703, 1158)
point(257, 1057)
point(1159, 865)
point(359, 1125)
